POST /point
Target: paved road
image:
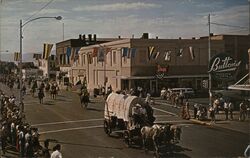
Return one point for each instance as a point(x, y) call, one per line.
point(81, 131)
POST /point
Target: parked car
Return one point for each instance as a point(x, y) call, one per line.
point(187, 92)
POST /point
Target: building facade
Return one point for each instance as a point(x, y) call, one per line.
point(155, 63)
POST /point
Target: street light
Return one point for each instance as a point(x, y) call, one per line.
point(21, 49)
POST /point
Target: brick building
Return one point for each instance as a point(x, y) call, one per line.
point(186, 66)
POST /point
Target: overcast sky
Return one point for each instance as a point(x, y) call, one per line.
point(111, 18)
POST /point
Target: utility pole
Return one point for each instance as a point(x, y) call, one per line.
point(209, 58)
point(63, 30)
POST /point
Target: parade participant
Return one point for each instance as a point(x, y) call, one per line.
point(136, 115)
point(243, 111)
point(57, 152)
point(212, 114)
point(40, 95)
point(226, 108)
point(196, 107)
point(231, 109)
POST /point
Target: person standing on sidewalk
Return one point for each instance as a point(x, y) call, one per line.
point(196, 107)
point(243, 110)
point(231, 109)
point(212, 114)
point(226, 106)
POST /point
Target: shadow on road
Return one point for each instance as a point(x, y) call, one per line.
point(174, 151)
point(93, 109)
point(89, 145)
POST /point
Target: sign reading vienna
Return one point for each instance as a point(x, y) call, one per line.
point(223, 67)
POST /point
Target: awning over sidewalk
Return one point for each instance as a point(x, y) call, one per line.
point(244, 87)
point(154, 77)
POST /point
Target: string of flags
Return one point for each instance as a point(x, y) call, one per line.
point(46, 50)
point(16, 56)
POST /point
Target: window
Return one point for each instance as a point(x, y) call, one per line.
point(84, 59)
point(114, 57)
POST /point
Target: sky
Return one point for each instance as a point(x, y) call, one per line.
point(166, 19)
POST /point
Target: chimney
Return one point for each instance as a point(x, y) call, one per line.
point(94, 37)
point(90, 37)
point(80, 36)
point(133, 36)
point(83, 37)
point(145, 36)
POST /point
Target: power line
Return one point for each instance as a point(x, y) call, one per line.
point(220, 24)
point(39, 10)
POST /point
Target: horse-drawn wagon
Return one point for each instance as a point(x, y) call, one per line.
point(118, 117)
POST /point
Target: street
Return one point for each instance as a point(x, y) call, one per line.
point(80, 131)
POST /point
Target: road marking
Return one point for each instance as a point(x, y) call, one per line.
point(70, 129)
point(166, 112)
point(64, 122)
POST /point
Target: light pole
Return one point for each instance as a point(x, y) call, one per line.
point(21, 49)
point(209, 57)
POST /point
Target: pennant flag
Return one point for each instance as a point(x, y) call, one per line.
point(37, 56)
point(180, 53)
point(90, 58)
point(133, 51)
point(150, 51)
point(95, 51)
point(72, 53)
point(155, 54)
point(68, 51)
point(191, 51)
point(46, 50)
point(76, 57)
point(108, 50)
point(100, 55)
point(167, 56)
point(16, 56)
point(125, 52)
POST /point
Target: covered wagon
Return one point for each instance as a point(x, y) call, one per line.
point(118, 116)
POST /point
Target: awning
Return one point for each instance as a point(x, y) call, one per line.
point(154, 77)
point(244, 87)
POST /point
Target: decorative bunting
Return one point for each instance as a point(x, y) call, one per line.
point(100, 55)
point(191, 51)
point(150, 51)
point(76, 57)
point(46, 50)
point(108, 50)
point(90, 58)
point(68, 51)
point(16, 56)
point(167, 56)
point(95, 51)
point(180, 53)
point(133, 51)
point(125, 52)
point(155, 55)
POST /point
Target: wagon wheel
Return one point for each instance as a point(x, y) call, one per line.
point(107, 128)
point(126, 137)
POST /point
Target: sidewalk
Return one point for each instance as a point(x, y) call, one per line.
point(235, 124)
